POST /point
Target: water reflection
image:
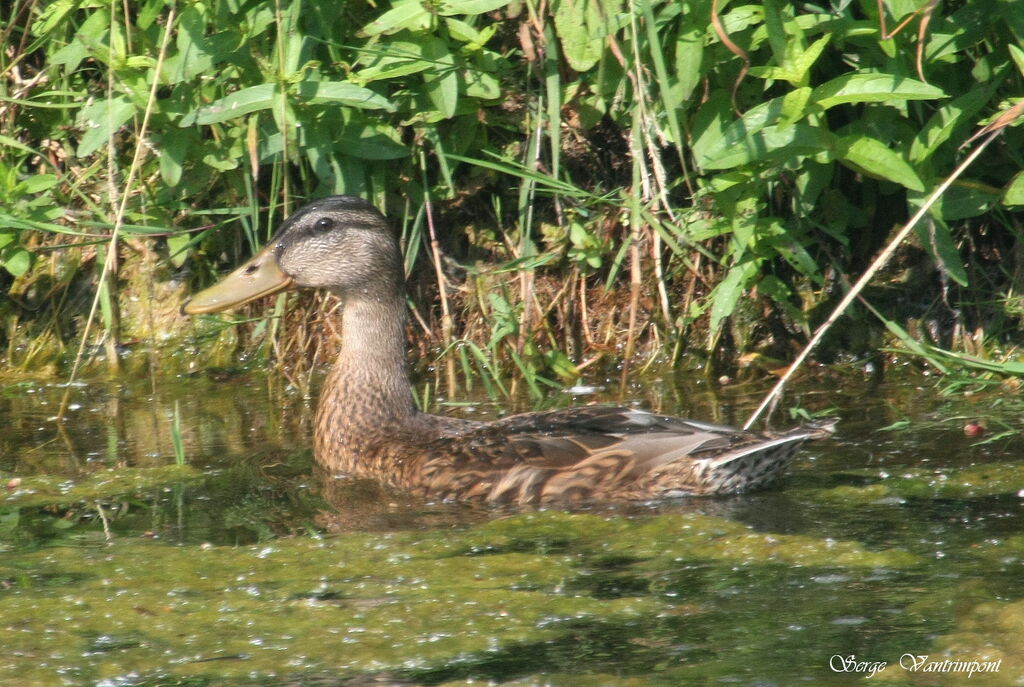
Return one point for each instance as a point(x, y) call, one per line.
point(879, 542)
point(129, 424)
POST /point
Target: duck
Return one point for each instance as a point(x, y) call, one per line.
point(368, 425)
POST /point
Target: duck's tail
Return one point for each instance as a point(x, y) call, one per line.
point(758, 464)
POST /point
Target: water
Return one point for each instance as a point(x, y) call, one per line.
point(247, 567)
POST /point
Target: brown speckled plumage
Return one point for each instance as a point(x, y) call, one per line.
point(367, 424)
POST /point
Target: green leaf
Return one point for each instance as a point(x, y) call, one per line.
point(775, 27)
point(709, 125)
point(741, 18)
point(671, 103)
point(544, 181)
point(581, 49)
point(912, 344)
point(398, 58)
point(70, 56)
point(233, 105)
point(958, 112)
point(94, 34)
point(895, 426)
point(504, 319)
point(1009, 367)
point(688, 56)
point(795, 69)
point(561, 365)
point(411, 15)
point(742, 129)
point(871, 156)
point(481, 84)
point(17, 260)
point(803, 62)
point(9, 221)
point(861, 87)
point(370, 140)
point(816, 197)
point(1018, 57)
point(728, 292)
point(86, 41)
point(177, 245)
point(966, 198)
point(937, 237)
point(173, 151)
point(101, 120)
point(461, 31)
point(744, 222)
point(140, 62)
point(786, 245)
point(52, 14)
point(582, 27)
point(771, 141)
point(779, 292)
point(794, 105)
point(193, 57)
point(442, 81)
point(450, 7)
point(38, 183)
point(221, 161)
point(344, 93)
point(705, 228)
point(1014, 193)
point(151, 9)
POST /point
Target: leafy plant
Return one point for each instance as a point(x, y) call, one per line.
point(729, 165)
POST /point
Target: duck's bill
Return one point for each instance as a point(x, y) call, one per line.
point(259, 277)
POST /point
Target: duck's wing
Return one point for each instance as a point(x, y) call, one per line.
point(603, 452)
point(563, 438)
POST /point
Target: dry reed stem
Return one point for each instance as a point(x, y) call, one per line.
point(635, 284)
point(442, 288)
point(282, 66)
point(926, 11)
point(716, 22)
point(588, 336)
point(772, 398)
point(122, 206)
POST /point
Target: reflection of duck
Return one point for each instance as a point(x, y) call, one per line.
point(368, 425)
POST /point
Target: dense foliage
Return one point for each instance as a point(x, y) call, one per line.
point(718, 164)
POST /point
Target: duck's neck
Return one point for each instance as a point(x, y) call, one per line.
point(367, 390)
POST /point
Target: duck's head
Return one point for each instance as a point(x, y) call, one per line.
point(340, 243)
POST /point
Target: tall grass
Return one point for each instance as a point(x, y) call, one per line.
point(576, 182)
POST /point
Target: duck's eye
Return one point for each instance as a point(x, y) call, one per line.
point(324, 223)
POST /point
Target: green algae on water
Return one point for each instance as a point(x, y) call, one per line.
point(406, 603)
point(45, 490)
point(354, 604)
point(687, 536)
point(977, 481)
point(984, 648)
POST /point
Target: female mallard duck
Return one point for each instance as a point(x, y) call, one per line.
point(367, 424)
